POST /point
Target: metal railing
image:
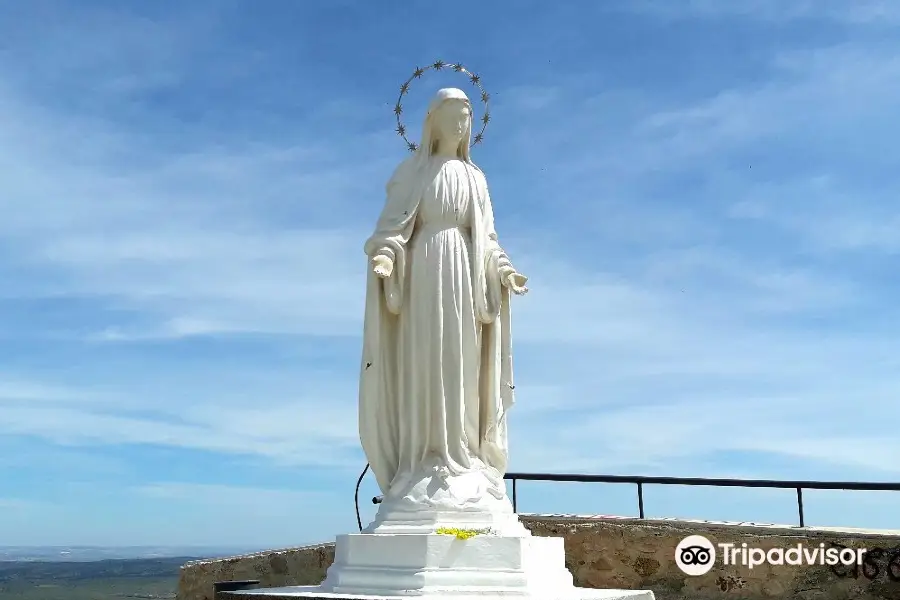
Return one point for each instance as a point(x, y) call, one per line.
point(641, 481)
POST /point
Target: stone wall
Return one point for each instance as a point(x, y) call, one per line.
point(613, 552)
point(291, 566)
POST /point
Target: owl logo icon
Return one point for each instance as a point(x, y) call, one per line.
point(695, 555)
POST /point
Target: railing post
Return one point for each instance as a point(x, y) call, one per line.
point(800, 505)
point(640, 499)
point(514, 495)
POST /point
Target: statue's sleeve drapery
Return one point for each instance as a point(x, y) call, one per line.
point(504, 266)
point(378, 419)
point(393, 232)
point(492, 305)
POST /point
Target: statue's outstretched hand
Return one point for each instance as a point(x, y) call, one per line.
point(516, 283)
point(382, 266)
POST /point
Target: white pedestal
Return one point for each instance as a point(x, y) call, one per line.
point(433, 564)
point(314, 593)
point(396, 566)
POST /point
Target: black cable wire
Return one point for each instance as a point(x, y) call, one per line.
point(356, 496)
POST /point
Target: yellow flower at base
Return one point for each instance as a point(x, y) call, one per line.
point(461, 534)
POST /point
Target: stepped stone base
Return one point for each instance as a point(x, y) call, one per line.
point(315, 593)
point(431, 566)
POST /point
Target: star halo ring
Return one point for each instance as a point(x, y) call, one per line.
point(440, 65)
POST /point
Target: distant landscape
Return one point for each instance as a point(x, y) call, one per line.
point(95, 573)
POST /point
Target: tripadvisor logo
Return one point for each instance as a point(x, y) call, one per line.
point(696, 555)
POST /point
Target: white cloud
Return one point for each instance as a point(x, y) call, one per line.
point(245, 516)
point(19, 390)
point(200, 283)
point(314, 431)
point(857, 12)
point(17, 505)
point(242, 496)
point(828, 215)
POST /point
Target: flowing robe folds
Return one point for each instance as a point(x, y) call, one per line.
point(436, 374)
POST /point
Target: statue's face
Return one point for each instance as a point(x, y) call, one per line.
point(452, 119)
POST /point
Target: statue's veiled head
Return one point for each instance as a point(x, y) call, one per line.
point(448, 124)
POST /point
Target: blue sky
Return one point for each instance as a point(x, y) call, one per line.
point(702, 193)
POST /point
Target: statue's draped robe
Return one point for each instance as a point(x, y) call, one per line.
point(436, 373)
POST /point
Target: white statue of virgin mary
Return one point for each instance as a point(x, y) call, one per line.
point(436, 380)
